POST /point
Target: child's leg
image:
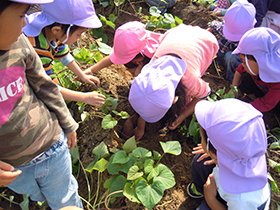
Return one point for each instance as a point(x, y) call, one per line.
point(232, 61)
point(200, 172)
point(49, 177)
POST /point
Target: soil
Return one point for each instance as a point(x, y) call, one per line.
point(114, 81)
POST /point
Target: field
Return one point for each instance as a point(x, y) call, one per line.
point(114, 82)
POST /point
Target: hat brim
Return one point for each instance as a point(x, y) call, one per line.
point(33, 1)
point(236, 178)
point(230, 36)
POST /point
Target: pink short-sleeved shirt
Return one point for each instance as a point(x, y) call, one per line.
point(197, 47)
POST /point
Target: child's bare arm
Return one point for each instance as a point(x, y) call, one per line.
point(105, 62)
point(140, 129)
point(94, 99)
point(84, 77)
point(210, 193)
point(187, 112)
point(7, 175)
point(236, 79)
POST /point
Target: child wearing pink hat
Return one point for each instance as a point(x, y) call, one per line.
point(50, 30)
point(183, 56)
point(233, 134)
point(259, 73)
point(134, 46)
point(239, 18)
point(36, 127)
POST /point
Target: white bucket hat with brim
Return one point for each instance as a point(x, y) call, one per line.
point(33, 1)
point(237, 131)
point(73, 12)
point(153, 91)
point(264, 44)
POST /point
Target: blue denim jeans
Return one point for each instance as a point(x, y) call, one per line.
point(49, 177)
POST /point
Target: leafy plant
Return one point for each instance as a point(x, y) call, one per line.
point(203, 3)
point(137, 172)
point(159, 21)
point(193, 129)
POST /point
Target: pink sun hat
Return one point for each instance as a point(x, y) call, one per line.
point(132, 38)
point(153, 90)
point(73, 12)
point(237, 131)
point(239, 19)
point(264, 44)
point(33, 1)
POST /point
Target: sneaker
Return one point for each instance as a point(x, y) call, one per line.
point(192, 192)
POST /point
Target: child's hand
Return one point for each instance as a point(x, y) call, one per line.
point(210, 189)
point(94, 99)
point(176, 123)
point(71, 140)
point(7, 175)
point(200, 150)
point(90, 79)
point(139, 133)
point(88, 71)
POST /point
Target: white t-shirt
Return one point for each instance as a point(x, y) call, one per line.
point(244, 201)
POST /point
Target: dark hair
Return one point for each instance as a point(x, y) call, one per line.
point(64, 27)
point(177, 107)
point(131, 65)
point(4, 4)
point(204, 137)
point(251, 57)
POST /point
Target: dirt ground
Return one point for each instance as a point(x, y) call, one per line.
point(114, 81)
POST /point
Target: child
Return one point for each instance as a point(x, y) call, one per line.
point(34, 156)
point(239, 18)
point(259, 73)
point(233, 134)
point(50, 30)
point(183, 56)
point(134, 46)
point(268, 13)
point(220, 7)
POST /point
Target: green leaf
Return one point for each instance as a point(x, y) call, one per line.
point(140, 152)
point(148, 165)
point(90, 167)
point(154, 172)
point(133, 173)
point(274, 164)
point(154, 11)
point(24, 205)
point(165, 176)
point(273, 184)
point(178, 20)
point(108, 122)
point(101, 150)
point(116, 113)
point(104, 48)
point(275, 145)
point(171, 147)
point(124, 115)
point(75, 155)
point(113, 168)
point(84, 116)
point(220, 92)
point(120, 157)
point(193, 126)
point(101, 165)
point(129, 191)
point(118, 183)
point(112, 17)
point(149, 195)
point(156, 155)
point(125, 167)
point(129, 145)
point(107, 184)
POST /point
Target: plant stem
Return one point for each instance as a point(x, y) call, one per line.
point(88, 185)
point(9, 200)
point(97, 190)
point(110, 195)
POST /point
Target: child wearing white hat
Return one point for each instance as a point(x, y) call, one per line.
point(239, 18)
point(36, 127)
point(233, 134)
point(171, 84)
point(50, 30)
point(259, 73)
